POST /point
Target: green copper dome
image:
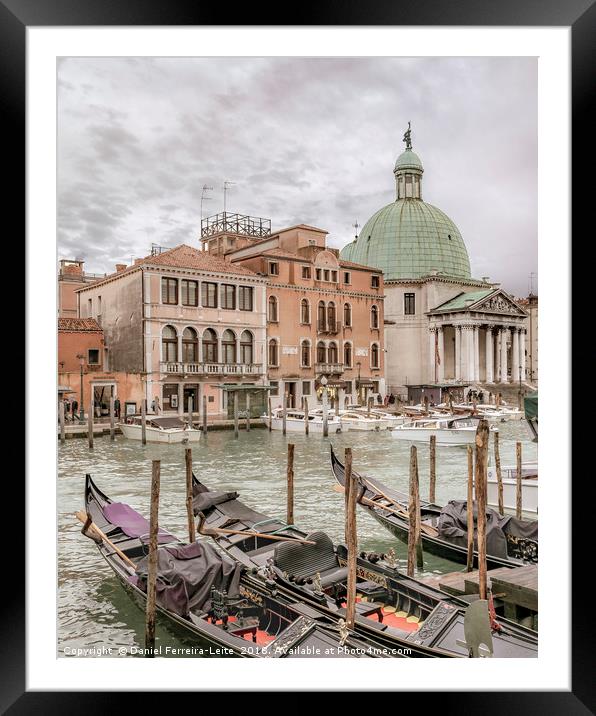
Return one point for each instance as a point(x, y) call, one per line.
point(410, 238)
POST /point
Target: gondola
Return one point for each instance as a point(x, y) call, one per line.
point(443, 530)
point(249, 624)
point(391, 607)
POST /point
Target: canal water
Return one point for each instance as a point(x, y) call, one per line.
point(95, 613)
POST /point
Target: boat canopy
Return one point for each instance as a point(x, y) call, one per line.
point(167, 423)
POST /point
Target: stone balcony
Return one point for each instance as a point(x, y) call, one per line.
point(329, 368)
point(175, 368)
point(330, 327)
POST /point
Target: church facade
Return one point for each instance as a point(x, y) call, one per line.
point(441, 324)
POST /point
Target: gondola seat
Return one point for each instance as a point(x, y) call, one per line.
point(305, 560)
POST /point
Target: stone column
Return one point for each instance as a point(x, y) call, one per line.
point(179, 348)
point(515, 362)
point(470, 361)
point(431, 353)
point(441, 347)
point(489, 377)
point(457, 352)
point(180, 398)
point(476, 346)
point(522, 353)
point(503, 369)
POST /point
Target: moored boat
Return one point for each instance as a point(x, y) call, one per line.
point(529, 485)
point(447, 430)
point(159, 429)
point(295, 421)
point(510, 542)
point(203, 597)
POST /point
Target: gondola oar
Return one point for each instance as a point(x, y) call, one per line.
point(219, 530)
point(400, 513)
point(88, 524)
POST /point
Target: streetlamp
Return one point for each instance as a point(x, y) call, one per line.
point(358, 364)
point(81, 358)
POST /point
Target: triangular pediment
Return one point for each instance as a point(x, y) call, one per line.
point(498, 302)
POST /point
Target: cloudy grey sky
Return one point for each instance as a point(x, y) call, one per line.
point(305, 141)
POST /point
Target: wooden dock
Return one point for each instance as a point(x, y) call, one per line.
point(516, 589)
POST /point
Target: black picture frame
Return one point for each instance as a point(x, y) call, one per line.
point(579, 15)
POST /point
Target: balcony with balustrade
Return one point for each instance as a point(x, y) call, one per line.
point(330, 327)
point(232, 369)
point(329, 368)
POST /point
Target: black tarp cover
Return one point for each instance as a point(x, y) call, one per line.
point(186, 574)
point(453, 527)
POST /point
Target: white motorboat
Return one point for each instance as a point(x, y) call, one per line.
point(509, 477)
point(390, 419)
point(447, 431)
point(159, 429)
point(355, 420)
point(295, 421)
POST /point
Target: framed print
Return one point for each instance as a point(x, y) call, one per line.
point(333, 235)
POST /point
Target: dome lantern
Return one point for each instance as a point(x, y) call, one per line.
point(408, 171)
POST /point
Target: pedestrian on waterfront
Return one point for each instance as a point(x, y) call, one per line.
point(153, 405)
point(480, 397)
point(117, 408)
point(74, 407)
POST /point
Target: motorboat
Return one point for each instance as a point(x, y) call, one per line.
point(295, 421)
point(159, 429)
point(447, 431)
point(529, 485)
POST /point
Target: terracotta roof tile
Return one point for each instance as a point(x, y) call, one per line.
point(351, 264)
point(79, 324)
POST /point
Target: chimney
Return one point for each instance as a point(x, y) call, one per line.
point(120, 267)
point(72, 267)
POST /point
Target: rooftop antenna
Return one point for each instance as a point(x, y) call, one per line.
point(226, 184)
point(205, 198)
point(356, 226)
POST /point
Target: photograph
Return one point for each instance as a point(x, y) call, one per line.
point(297, 357)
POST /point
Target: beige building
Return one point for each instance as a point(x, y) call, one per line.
point(530, 304)
point(185, 324)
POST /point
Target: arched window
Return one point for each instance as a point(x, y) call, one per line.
point(305, 354)
point(332, 353)
point(273, 354)
point(169, 344)
point(304, 311)
point(272, 312)
point(321, 313)
point(321, 352)
point(228, 347)
point(348, 354)
point(190, 346)
point(331, 316)
point(246, 347)
point(209, 346)
point(374, 317)
point(374, 356)
point(347, 314)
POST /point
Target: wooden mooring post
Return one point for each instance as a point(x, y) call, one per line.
point(433, 469)
point(369, 406)
point(470, 510)
point(284, 414)
point(90, 423)
point(190, 409)
point(152, 570)
point(112, 420)
point(426, 404)
point(325, 411)
point(143, 422)
point(189, 513)
point(290, 485)
point(205, 415)
point(499, 475)
point(269, 413)
point(518, 480)
point(415, 555)
point(305, 403)
point(482, 437)
point(61, 420)
point(351, 539)
point(235, 413)
point(247, 412)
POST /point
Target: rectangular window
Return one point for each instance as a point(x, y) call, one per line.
point(99, 305)
point(89, 307)
point(190, 293)
point(318, 274)
point(209, 294)
point(409, 304)
point(334, 276)
point(306, 272)
point(274, 387)
point(347, 277)
point(169, 291)
point(93, 356)
point(375, 282)
point(325, 274)
point(306, 387)
point(228, 296)
point(274, 268)
point(245, 294)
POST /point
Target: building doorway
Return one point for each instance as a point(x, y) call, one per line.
point(291, 391)
point(102, 392)
point(191, 392)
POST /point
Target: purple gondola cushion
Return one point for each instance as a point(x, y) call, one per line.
point(131, 522)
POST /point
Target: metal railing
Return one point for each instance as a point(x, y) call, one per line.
point(329, 367)
point(175, 367)
point(328, 326)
